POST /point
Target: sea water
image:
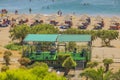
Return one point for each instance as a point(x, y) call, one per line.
point(91, 7)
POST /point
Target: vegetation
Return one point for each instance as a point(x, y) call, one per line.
point(92, 64)
point(116, 76)
point(107, 36)
point(6, 57)
point(98, 74)
point(107, 62)
point(44, 29)
point(4, 68)
point(13, 46)
point(19, 32)
point(61, 58)
point(68, 64)
point(34, 73)
point(24, 61)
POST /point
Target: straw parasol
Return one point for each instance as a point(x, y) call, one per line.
point(23, 17)
point(68, 18)
point(52, 18)
point(98, 18)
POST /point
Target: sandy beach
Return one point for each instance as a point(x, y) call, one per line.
point(98, 52)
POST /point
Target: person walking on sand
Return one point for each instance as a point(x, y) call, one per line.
point(30, 10)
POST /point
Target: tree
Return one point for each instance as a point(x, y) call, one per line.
point(107, 36)
point(107, 62)
point(24, 61)
point(53, 76)
point(44, 29)
point(6, 57)
point(39, 64)
point(98, 74)
point(4, 68)
point(68, 64)
point(19, 32)
point(61, 58)
point(92, 64)
point(35, 73)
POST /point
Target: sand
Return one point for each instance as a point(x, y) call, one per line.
point(98, 52)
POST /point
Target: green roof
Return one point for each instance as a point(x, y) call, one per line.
point(57, 37)
point(41, 37)
point(74, 37)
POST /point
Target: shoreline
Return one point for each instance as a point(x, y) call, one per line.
point(77, 15)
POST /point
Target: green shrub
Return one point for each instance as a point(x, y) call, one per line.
point(13, 46)
point(6, 57)
point(4, 68)
point(24, 61)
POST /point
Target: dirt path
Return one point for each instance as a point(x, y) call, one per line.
point(4, 36)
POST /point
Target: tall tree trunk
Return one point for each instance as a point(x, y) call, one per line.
point(66, 72)
point(107, 68)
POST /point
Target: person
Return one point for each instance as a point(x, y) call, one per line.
point(59, 13)
point(30, 10)
point(75, 50)
point(16, 11)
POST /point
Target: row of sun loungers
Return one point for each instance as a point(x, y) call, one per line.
point(83, 23)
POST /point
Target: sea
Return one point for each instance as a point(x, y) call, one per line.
point(78, 7)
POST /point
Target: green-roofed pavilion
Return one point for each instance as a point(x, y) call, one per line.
point(74, 38)
point(57, 37)
point(41, 37)
point(37, 54)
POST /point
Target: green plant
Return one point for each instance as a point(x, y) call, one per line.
point(61, 58)
point(68, 64)
point(24, 61)
point(13, 46)
point(93, 74)
point(107, 63)
point(92, 64)
point(6, 57)
point(4, 68)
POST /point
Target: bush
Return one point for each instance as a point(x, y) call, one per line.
point(39, 64)
point(6, 57)
point(24, 61)
point(35, 73)
point(4, 68)
point(13, 46)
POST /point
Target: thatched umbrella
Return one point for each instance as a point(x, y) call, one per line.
point(52, 18)
point(84, 17)
point(37, 17)
point(68, 18)
point(21, 17)
point(98, 18)
point(114, 20)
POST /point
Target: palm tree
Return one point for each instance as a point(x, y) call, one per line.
point(98, 74)
point(107, 63)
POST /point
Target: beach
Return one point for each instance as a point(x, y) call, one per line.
point(98, 53)
point(73, 14)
